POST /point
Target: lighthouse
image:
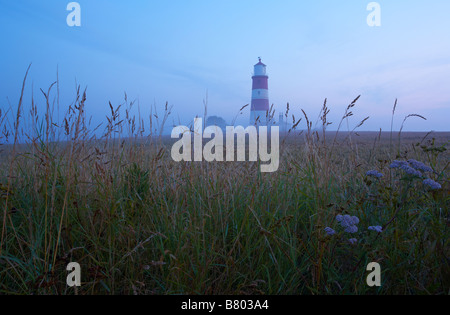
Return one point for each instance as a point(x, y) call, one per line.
point(260, 95)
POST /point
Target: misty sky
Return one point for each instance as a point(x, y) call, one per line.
point(176, 51)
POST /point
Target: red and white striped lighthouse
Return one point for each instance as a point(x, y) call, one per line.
point(260, 95)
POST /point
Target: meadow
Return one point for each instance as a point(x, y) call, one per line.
point(139, 223)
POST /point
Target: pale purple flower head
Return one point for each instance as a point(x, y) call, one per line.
point(355, 220)
point(411, 171)
point(347, 220)
point(353, 241)
point(398, 164)
point(374, 173)
point(330, 231)
point(412, 167)
point(432, 184)
point(351, 229)
point(348, 223)
point(420, 166)
point(377, 228)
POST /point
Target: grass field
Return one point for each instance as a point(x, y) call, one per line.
point(139, 223)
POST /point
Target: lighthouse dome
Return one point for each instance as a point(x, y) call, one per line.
point(260, 69)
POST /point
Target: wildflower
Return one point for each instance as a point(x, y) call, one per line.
point(411, 171)
point(432, 184)
point(377, 228)
point(348, 223)
point(412, 167)
point(330, 231)
point(351, 229)
point(353, 241)
point(347, 220)
point(420, 166)
point(374, 174)
point(355, 220)
point(398, 164)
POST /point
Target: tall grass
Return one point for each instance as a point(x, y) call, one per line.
point(139, 223)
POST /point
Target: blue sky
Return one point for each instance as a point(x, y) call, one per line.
point(176, 51)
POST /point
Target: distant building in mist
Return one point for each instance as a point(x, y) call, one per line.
point(216, 121)
point(282, 123)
